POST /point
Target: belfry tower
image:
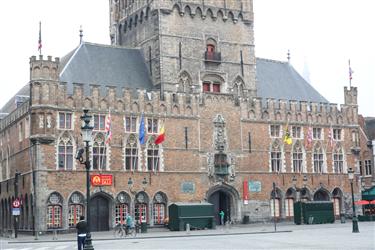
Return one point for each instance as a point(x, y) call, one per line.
point(190, 45)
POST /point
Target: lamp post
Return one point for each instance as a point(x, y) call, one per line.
point(299, 191)
point(354, 220)
point(86, 137)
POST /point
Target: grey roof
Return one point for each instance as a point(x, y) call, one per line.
point(280, 80)
point(105, 65)
point(21, 96)
point(370, 127)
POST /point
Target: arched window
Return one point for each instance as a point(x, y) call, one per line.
point(122, 207)
point(65, 152)
point(289, 203)
point(275, 204)
point(318, 159)
point(276, 161)
point(54, 211)
point(297, 158)
point(76, 208)
point(212, 83)
point(99, 153)
point(185, 83)
point(141, 207)
point(159, 208)
point(338, 160)
point(153, 161)
point(131, 154)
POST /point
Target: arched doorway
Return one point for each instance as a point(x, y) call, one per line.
point(224, 198)
point(321, 195)
point(99, 213)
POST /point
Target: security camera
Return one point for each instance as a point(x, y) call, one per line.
point(79, 154)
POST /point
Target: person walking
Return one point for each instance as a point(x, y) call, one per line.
point(81, 232)
point(221, 217)
point(129, 223)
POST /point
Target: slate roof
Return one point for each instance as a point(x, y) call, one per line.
point(280, 80)
point(370, 127)
point(105, 65)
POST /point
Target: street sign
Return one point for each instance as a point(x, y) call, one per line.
point(16, 211)
point(101, 179)
point(16, 203)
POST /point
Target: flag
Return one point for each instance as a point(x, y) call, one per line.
point(108, 131)
point(142, 131)
point(287, 138)
point(40, 38)
point(161, 135)
point(309, 136)
point(350, 72)
point(330, 137)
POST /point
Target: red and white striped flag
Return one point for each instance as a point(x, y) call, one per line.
point(309, 136)
point(330, 137)
point(108, 130)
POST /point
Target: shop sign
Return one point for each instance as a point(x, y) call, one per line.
point(101, 180)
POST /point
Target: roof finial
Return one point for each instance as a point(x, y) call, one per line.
point(80, 34)
point(288, 56)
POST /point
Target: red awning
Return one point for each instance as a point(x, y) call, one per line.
point(372, 202)
point(362, 202)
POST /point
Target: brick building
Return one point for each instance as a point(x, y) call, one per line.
point(189, 66)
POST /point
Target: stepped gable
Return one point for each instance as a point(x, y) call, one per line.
point(279, 80)
point(106, 66)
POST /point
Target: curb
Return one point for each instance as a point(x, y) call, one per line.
point(154, 237)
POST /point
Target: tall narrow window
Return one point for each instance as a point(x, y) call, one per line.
point(368, 167)
point(99, 122)
point(131, 154)
point(152, 157)
point(276, 158)
point(338, 160)
point(130, 124)
point(54, 211)
point(122, 208)
point(99, 158)
point(152, 125)
point(275, 207)
point(297, 158)
point(76, 208)
point(317, 133)
point(216, 87)
point(206, 87)
point(289, 209)
point(65, 153)
point(318, 159)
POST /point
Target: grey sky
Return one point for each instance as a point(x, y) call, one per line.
point(321, 35)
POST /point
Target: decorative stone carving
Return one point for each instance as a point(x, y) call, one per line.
point(41, 121)
point(210, 164)
point(220, 138)
point(49, 121)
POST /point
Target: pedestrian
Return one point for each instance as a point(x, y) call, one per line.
point(81, 232)
point(129, 223)
point(221, 217)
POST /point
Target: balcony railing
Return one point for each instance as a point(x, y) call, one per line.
point(212, 57)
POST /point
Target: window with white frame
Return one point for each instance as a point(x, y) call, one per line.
point(317, 133)
point(276, 160)
point(54, 211)
point(99, 122)
point(275, 130)
point(368, 167)
point(131, 153)
point(338, 160)
point(65, 153)
point(76, 208)
point(297, 158)
point(140, 212)
point(318, 159)
point(289, 209)
point(122, 208)
point(337, 134)
point(99, 157)
point(153, 162)
point(275, 207)
point(130, 124)
point(152, 125)
point(65, 120)
point(159, 213)
point(296, 132)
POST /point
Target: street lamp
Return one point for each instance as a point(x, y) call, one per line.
point(355, 220)
point(299, 191)
point(87, 137)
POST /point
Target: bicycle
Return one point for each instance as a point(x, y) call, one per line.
point(121, 231)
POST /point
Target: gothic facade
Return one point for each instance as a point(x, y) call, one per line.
point(190, 67)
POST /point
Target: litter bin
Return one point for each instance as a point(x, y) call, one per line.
point(342, 218)
point(143, 227)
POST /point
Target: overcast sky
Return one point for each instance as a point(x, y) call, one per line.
point(321, 35)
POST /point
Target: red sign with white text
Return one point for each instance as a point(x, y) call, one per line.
point(101, 179)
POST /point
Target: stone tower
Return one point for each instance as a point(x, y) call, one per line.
point(190, 45)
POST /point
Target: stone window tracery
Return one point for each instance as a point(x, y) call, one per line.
point(276, 160)
point(297, 158)
point(54, 211)
point(99, 153)
point(65, 152)
point(318, 159)
point(76, 208)
point(338, 160)
point(131, 154)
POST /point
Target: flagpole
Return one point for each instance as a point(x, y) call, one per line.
point(350, 75)
point(40, 38)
